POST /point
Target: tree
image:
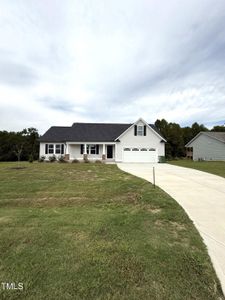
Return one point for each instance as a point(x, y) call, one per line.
point(196, 128)
point(19, 145)
point(218, 128)
point(174, 136)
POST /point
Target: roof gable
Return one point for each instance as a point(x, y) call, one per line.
point(150, 126)
point(219, 136)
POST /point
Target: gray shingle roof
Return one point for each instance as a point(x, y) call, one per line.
point(216, 135)
point(220, 136)
point(87, 132)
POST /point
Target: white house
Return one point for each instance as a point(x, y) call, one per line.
point(137, 142)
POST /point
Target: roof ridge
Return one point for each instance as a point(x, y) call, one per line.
point(90, 123)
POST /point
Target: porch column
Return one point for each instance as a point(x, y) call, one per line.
point(67, 148)
point(85, 157)
point(67, 155)
point(85, 148)
point(103, 152)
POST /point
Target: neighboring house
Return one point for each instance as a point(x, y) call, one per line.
point(138, 142)
point(207, 146)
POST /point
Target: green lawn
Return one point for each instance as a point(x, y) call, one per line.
point(214, 167)
point(90, 231)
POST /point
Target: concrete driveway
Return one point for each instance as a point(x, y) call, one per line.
point(201, 194)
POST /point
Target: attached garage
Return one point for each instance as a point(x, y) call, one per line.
point(140, 155)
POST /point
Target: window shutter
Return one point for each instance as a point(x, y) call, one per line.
point(81, 149)
point(144, 130)
point(135, 129)
point(97, 149)
point(46, 148)
point(62, 149)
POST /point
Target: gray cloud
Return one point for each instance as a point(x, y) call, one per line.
point(85, 61)
point(16, 74)
point(56, 104)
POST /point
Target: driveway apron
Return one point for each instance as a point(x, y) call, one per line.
point(202, 195)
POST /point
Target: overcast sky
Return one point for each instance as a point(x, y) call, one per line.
point(111, 61)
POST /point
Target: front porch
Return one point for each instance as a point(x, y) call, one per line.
point(90, 151)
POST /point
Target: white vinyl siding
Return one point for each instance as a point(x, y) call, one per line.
point(128, 140)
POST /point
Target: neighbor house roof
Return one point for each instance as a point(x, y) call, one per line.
point(219, 136)
point(87, 132)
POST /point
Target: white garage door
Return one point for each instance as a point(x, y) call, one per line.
point(148, 155)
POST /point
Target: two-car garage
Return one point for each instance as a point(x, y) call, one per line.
point(140, 155)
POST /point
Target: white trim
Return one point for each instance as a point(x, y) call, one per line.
point(97, 143)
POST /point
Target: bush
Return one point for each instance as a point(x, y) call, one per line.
point(52, 158)
point(86, 160)
point(31, 158)
point(41, 159)
point(162, 159)
point(61, 159)
point(75, 161)
point(98, 161)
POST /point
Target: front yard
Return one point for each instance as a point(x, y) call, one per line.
point(214, 167)
point(90, 231)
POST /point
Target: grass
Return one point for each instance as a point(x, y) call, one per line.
point(90, 231)
point(213, 167)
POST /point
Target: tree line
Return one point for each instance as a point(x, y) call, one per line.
point(24, 145)
point(177, 137)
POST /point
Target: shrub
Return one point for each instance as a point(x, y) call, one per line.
point(41, 159)
point(98, 161)
point(61, 159)
point(52, 158)
point(75, 161)
point(86, 160)
point(31, 158)
point(162, 159)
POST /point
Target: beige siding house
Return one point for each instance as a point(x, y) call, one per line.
point(137, 142)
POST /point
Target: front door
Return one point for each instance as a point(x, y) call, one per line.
point(109, 151)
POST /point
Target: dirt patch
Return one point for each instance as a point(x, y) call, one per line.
point(130, 198)
point(177, 226)
point(5, 219)
point(154, 210)
point(79, 236)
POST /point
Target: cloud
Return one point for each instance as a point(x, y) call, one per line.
point(16, 74)
point(62, 62)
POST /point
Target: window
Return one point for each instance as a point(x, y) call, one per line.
point(57, 149)
point(50, 149)
point(135, 149)
point(144, 149)
point(152, 149)
point(140, 130)
point(126, 149)
point(91, 149)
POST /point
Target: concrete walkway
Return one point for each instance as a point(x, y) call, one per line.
point(201, 194)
